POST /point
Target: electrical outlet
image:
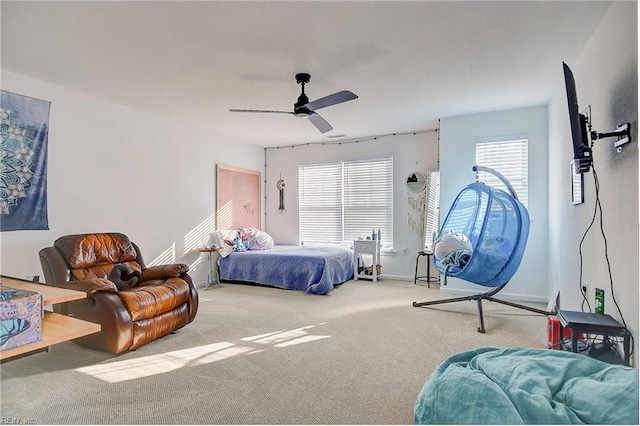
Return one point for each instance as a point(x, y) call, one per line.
point(585, 288)
point(405, 251)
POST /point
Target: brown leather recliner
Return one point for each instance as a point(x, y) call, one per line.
point(133, 304)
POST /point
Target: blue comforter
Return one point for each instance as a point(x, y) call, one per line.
point(528, 386)
point(314, 270)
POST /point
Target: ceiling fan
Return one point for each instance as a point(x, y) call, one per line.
point(305, 109)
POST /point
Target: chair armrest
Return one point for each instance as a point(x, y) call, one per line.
point(160, 272)
point(55, 267)
point(90, 286)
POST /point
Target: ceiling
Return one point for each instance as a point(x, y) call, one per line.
point(410, 62)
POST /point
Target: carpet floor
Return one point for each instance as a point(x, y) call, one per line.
point(257, 355)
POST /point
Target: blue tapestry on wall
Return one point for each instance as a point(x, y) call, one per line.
point(24, 132)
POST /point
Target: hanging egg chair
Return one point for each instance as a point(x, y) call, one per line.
point(482, 241)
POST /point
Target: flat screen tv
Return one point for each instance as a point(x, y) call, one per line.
point(579, 136)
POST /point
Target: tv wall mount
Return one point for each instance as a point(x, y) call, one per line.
point(622, 133)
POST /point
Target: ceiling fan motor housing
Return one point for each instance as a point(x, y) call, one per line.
point(298, 107)
point(303, 78)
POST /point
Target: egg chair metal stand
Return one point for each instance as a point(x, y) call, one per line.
point(495, 228)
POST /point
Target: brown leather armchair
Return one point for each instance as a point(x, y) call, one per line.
point(133, 304)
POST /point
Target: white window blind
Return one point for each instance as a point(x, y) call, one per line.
point(433, 208)
point(511, 159)
point(343, 201)
point(320, 202)
point(368, 198)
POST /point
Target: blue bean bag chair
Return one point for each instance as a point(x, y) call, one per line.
point(528, 386)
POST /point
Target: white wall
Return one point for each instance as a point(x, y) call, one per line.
point(606, 75)
point(410, 153)
point(116, 169)
point(458, 137)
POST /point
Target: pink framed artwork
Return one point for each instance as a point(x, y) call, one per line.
point(238, 198)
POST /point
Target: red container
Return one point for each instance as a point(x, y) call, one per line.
point(553, 333)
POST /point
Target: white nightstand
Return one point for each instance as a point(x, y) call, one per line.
point(368, 247)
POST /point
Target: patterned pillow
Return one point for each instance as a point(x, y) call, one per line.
point(219, 236)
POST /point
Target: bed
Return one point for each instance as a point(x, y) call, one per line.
point(314, 270)
point(527, 386)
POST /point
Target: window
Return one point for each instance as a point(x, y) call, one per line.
point(345, 200)
point(511, 159)
point(320, 202)
point(433, 209)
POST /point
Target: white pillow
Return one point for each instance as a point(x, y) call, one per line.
point(453, 249)
point(263, 241)
point(219, 236)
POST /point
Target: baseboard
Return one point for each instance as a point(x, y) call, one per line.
point(465, 292)
point(398, 278)
point(395, 277)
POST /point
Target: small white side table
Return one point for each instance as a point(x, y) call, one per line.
point(212, 276)
point(369, 247)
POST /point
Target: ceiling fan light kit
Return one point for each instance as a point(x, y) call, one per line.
point(305, 109)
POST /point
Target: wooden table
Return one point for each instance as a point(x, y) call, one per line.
point(56, 328)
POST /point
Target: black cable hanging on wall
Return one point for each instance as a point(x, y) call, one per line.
point(366, 139)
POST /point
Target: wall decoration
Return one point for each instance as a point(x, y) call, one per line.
point(280, 185)
point(24, 133)
point(416, 200)
point(238, 198)
point(416, 214)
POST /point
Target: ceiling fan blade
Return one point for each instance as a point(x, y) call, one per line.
point(320, 123)
point(260, 110)
point(336, 98)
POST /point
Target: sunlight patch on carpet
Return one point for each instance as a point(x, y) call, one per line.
point(279, 336)
point(300, 340)
point(131, 369)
